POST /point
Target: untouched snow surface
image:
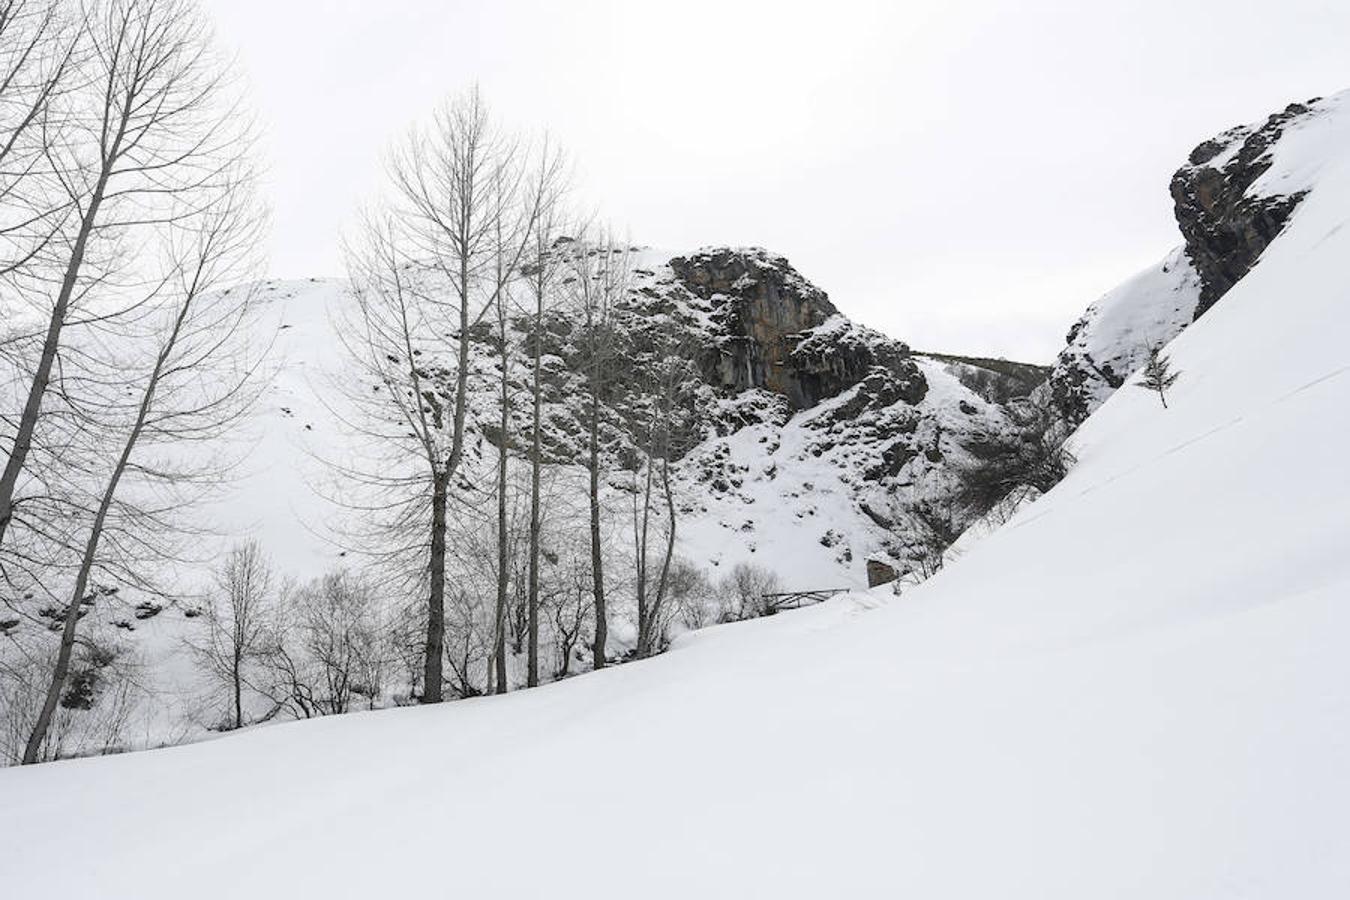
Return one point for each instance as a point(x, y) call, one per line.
point(1138, 688)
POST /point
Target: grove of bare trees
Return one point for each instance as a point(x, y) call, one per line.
point(512, 510)
point(129, 206)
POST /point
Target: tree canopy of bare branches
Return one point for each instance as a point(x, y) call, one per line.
point(139, 344)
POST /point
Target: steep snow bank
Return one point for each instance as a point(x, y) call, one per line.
point(1115, 334)
point(1139, 688)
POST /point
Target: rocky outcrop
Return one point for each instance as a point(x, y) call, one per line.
point(781, 398)
point(1229, 208)
point(1228, 225)
point(778, 332)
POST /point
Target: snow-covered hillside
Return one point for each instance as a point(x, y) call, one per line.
point(837, 445)
point(1138, 688)
point(812, 442)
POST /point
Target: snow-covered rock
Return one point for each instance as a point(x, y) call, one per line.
point(1232, 198)
point(808, 444)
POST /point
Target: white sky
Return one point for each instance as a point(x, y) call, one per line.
point(966, 176)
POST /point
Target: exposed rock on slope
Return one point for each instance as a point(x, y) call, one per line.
point(1232, 198)
point(775, 330)
point(797, 410)
point(1226, 224)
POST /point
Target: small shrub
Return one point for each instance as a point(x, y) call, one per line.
point(742, 592)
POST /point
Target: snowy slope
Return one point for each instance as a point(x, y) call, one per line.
point(1139, 688)
point(738, 507)
point(278, 494)
point(807, 493)
point(1115, 334)
point(765, 492)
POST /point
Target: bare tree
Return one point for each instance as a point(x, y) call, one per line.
point(541, 276)
point(40, 45)
point(599, 276)
point(206, 227)
point(238, 621)
point(329, 647)
point(510, 216)
point(432, 265)
point(153, 121)
point(40, 48)
point(571, 607)
point(667, 373)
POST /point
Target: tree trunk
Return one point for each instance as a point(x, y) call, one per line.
point(641, 529)
point(502, 537)
point(597, 557)
point(238, 692)
point(663, 579)
point(536, 464)
point(435, 645)
point(32, 409)
point(62, 669)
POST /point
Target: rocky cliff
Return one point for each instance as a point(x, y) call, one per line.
point(1226, 220)
point(1232, 197)
point(792, 409)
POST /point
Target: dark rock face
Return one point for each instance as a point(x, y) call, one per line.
point(1227, 221)
point(770, 381)
point(1227, 227)
point(1074, 382)
point(762, 341)
point(781, 333)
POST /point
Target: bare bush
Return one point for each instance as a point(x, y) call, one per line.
point(93, 713)
point(694, 595)
point(1033, 458)
point(742, 592)
point(570, 608)
point(933, 528)
point(330, 648)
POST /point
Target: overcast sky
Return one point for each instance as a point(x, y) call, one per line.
point(965, 175)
